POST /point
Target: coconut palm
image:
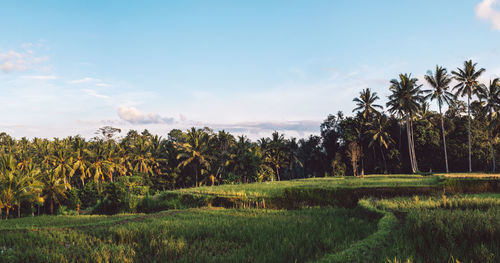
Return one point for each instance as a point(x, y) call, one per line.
point(366, 103)
point(440, 83)
point(490, 95)
point(195, 151)
point(54, 188)
point(406, 98)
point(275, 152)
point(468, 85)
point(379, 135)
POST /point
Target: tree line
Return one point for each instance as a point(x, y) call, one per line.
point(406, 137)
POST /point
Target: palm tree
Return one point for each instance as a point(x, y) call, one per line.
point(406, 98)
point(366, 103)
point(54, 187)
point(195, 151)
point(468, 85)
point(275, 152)
point(380, 135)
point(440, 82)
point(491, 96)
point(244, 161)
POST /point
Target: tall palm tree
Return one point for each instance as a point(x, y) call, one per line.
point(195, 151)
point(468, 85)
point(440, 83)
point(379, 135)
point(491, 97)
point(406, 98)
point(366, 103)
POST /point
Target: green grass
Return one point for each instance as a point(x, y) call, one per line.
point(201, 235)
point(440, 229)
point(61, 221)
point(271, 189)
point(390, 221)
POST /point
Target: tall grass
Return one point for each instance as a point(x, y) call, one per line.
point(196, 235)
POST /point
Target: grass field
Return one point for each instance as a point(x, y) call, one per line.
point(439, 227)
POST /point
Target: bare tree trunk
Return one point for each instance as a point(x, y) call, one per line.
point(444, 140)
point(278, 173)
point(470, 149)
point(7, 213)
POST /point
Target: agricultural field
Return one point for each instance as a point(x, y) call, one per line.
point(420, 220)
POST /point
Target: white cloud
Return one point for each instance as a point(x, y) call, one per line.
point(17, 61)
point(41, 77)
point(488, 10)
point(94, 93)
point(84, 81)
point(134, 116)
point(103, 85)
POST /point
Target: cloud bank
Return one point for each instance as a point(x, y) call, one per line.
point(134, 116)
point(488, 10)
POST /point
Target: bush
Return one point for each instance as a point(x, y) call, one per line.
point(114, 199)
point(89, 195)
point(73, 198)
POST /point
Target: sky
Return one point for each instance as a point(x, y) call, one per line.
point(248, 67)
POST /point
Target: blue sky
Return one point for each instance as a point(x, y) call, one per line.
point(70, 67)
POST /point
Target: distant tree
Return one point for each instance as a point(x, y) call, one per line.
point(107, 133)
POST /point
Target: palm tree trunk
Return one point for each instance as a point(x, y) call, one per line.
point(196, 175)
point(410, 151)
point(492, 149)
point(383, 158)
point(51, 206)
point(362, 164)
point(413, 145)
point(19, 210)
point(278, 172)
point(444, 140)
point(7, 213)
point(468, 134)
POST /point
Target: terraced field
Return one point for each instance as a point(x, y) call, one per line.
point(395, 218)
